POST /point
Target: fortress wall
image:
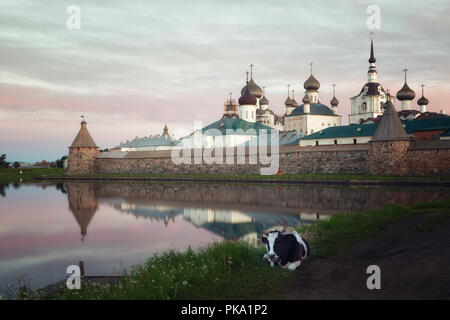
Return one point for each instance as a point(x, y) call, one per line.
point(377, 158)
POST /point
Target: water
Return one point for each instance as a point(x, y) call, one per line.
point(46, 227)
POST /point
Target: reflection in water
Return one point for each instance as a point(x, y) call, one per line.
point(124, 223)
point(83, 204)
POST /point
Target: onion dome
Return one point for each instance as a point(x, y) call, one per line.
point(306, 99)
point(334, 102)
point(405, 93)
point(312, 84)
point(293, 102)
point(422, 100)
point(247, 98)
point(254, 89)
point(288, 102)
point(264, 101)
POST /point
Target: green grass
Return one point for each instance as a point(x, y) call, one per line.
point(10, 175)
point(227, 270)
point(342, 231)
point(306, 176)
point(235, 270)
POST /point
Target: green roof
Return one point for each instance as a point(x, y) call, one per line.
point(446, 133)
point(368, 130)
point(235, 124)
point(315, 108)
point(353, 130)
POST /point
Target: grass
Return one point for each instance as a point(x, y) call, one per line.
point(11, 175)
point(235, 270)
point(342, 231)
point(305, 176)
point(226, 270)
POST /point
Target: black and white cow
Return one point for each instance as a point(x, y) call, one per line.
point(286, 249)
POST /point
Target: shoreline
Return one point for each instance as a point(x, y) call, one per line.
point(227, 265)
point(390, 181)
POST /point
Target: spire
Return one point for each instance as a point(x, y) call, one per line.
point(251, 71)
point(372, 55)
point(390, 127)
point(165, 131)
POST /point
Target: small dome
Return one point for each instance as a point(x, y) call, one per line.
point(334, 101)
point(247, 98)
point(288, 102)
point(311, 84)
point(306, 99)
point(253, 88)
point(422, 101)
point(405, 93)
point(264, 101)
point(294, 103)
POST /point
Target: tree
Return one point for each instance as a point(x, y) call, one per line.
point(16, 164)
point(3, 162)
point(60, 162)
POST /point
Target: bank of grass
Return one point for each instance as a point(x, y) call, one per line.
point(258, 177)
point(227, 270)
point(342, 231)
point(11, 175)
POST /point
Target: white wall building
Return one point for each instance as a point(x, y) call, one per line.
point(368, 103)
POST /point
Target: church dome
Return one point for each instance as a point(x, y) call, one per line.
point(288, 102)
point(334, 101)
point(253, 88)
point(306, 99)
point(294, 103)
point(264, 101)
point(422, 101)
point(405, 93)
point(311, 84)
point(247, 98)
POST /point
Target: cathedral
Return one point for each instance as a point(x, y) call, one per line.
point(306, 118)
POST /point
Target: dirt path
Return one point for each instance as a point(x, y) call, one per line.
point(414, 257)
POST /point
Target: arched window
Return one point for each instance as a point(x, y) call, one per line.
point(364, 107)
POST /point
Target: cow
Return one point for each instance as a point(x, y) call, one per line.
point(286, 249)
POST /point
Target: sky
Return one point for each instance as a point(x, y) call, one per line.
point(136, 65)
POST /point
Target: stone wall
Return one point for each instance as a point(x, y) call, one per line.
point(377, 158)
point(81, 160)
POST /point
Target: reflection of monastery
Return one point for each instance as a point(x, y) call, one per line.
point(229, 224)
point(232, 211)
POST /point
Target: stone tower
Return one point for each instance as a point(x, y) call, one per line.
point(389, 145)
point(82, 153)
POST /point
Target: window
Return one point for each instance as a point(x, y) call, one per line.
point(317, 143)
point(335, 141)
point(354, 141)
point(364, 107)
